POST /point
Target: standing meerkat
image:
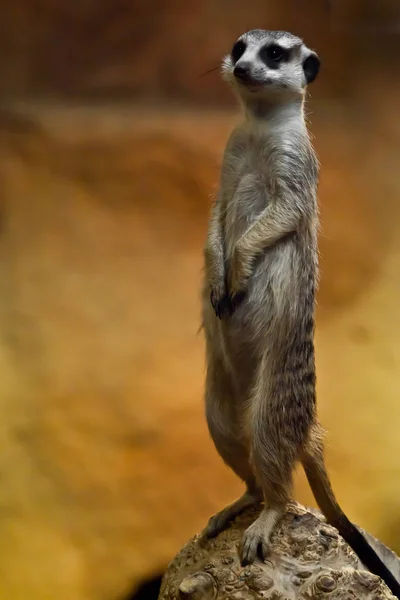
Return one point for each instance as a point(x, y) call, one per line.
point(261, 272)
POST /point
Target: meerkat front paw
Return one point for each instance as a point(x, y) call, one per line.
point(220, 300)
point(240, 270)
point(226, 305)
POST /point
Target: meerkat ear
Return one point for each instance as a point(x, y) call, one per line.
point(311, 66)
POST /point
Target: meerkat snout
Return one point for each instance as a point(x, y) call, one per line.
point(242, 72)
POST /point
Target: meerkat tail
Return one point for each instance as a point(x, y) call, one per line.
point(318, 479)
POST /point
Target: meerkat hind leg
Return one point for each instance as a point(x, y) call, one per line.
point(221, 520)
point(223, 427)
point(273, 457)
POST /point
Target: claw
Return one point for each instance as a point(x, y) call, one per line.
point(215, 304)
point(254, 547)
point(226, 305)
point(264, 550)
point(222, 306)
point(213, 301)
point(256, 541)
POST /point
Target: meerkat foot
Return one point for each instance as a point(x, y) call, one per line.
point(256, 539)
point(221, 520)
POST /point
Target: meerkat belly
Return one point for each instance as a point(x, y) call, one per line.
point(277, 279)
point(249, 200)
point(273, 297)
point(267, 316)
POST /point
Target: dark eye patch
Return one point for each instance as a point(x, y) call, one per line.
point(274, 55)
point(238, 50)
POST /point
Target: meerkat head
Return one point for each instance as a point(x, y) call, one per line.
point(270, 64)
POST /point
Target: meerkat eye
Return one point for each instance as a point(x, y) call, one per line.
point(273, 55)
point(238, 50)
point(275, 52)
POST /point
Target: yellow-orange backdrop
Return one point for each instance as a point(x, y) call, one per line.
point(105, 461)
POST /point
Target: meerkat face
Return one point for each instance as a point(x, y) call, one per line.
point(270, 62)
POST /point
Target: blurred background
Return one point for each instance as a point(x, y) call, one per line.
point(110, 142)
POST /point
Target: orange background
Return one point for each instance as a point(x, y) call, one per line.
point(110, 145)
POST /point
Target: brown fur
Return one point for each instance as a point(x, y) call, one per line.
point(261, 273)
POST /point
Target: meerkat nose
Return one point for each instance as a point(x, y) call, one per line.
point(242, 72)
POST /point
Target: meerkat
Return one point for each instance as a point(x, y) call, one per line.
point(261, 276)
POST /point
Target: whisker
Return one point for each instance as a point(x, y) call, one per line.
point(209, 71)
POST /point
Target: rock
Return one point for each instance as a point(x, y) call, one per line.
point(309, 561)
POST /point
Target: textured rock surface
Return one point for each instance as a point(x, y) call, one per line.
point(308, 561)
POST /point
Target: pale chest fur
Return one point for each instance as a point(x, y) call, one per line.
point(244, 185)
point(257, 160)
